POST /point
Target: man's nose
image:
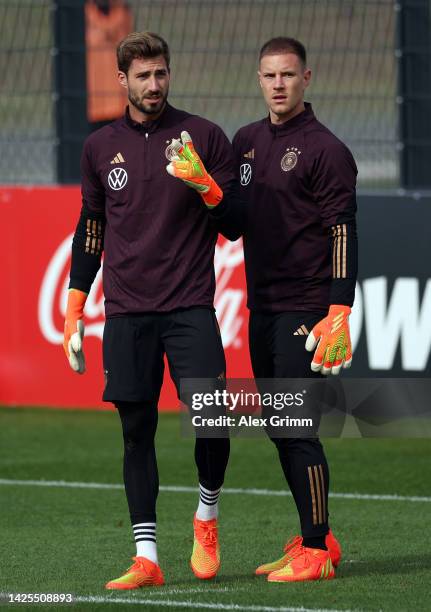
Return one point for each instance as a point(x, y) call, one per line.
point(153, 84)
point(278, 82)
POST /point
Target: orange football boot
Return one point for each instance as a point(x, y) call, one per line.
point(332, 544)
point(305, 564)
point(142, 573)
point(205, 560)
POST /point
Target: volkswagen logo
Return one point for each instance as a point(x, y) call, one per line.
point(117, 178)
point(245, 174)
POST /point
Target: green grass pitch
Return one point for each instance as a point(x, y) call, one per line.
point(72, 540)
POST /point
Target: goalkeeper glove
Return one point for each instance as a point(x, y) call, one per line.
point(188, 166)
point(332, 335)
point(74, 330)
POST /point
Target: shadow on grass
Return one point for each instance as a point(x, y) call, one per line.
point(405, 564)
point(220, 581)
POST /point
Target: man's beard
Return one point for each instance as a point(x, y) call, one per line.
point(148, 109)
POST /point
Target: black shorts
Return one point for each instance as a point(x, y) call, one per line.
point(277, 344)
point(134, 348)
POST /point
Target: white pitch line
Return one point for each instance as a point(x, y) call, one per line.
point(177, 591)
point(227, 491)
point(170, 603)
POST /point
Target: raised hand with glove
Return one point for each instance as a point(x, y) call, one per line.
point(187, 166)
point(74, 330)
point(332, 337)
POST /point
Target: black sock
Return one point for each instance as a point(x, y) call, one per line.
point(317, 542)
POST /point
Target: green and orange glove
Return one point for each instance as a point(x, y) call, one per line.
point(187, 166)
point(332, 337)
point(74, 330)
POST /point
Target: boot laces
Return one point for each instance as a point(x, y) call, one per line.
point(210, 535)
point(292, 544)
point(300, 551)
point(138, 564)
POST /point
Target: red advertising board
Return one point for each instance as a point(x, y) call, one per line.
point(38, 227)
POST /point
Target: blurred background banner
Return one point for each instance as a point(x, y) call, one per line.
point(38, 228)
point(371, 85)
point(390, 322)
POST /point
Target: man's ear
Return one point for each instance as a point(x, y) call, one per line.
point(122, 79)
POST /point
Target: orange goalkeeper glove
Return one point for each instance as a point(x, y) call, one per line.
point(74, 330)
point(187, 166)
point(332, 334)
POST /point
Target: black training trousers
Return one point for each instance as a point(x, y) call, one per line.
point(277, 352)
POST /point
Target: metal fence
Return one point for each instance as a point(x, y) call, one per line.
point(214, 46)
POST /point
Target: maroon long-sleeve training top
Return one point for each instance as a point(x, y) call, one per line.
point(159, 238)
point(297, 180)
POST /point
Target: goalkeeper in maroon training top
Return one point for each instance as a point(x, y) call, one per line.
point(158, 237)
point(298, 182)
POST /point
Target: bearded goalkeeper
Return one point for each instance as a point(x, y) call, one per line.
point(158, 236)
